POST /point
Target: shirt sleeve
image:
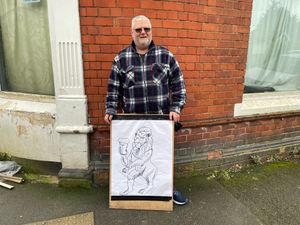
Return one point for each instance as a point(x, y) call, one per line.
point(113, 89)
point(177, 85)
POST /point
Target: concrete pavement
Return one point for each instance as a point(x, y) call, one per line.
point(267, 194)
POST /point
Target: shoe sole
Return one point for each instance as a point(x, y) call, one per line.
point(179, 203)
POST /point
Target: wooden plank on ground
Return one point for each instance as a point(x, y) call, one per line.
point(12, 178)
point(6, 185)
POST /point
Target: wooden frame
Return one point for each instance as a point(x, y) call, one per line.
point(138, 202)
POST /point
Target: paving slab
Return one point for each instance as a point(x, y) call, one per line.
point(79, 219)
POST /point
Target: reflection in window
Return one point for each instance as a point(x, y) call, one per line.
point(25, 57)
point(273, 62)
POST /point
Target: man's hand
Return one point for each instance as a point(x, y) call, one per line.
point(108, 118)
point(174, 116)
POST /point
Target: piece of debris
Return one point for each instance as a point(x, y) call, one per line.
point(12, 178)
point(7, 171)
point(2, 184)
point(9, 168)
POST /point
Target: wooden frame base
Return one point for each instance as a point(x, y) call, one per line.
point(142, 205)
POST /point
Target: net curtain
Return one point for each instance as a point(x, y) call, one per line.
point(25, 57)
point(274, 47)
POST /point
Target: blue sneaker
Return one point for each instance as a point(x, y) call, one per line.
point(179, 198)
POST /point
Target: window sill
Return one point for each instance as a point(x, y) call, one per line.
point(12, 101)
point(266, 103)
point(27, 97)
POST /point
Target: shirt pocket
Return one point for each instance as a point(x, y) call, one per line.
point(128, 76)
point(160, 73)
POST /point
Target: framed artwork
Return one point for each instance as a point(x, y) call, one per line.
point(141, 162)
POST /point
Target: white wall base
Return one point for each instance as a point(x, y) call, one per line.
point(27, 127)
point(73, 129)
point(74, 151)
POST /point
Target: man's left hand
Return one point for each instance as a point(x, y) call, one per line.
point(174, 116)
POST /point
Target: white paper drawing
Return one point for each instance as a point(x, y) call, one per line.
point(142, 158)
point(137, 161)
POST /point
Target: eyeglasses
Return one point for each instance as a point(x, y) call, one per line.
point(146, 29)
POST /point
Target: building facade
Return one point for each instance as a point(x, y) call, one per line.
point(222, 124)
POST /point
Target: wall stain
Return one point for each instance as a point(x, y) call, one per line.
point(35, 119)
point(21, 130)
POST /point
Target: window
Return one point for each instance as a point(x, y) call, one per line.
point(25, 55)
point(273, 62)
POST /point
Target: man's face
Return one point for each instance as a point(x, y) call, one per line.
point(141, 37)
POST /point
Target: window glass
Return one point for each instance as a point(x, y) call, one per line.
point(273, 62)
point(25, 57)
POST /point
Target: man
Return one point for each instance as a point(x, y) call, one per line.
point(146, 79)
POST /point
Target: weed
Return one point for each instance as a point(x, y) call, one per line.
point(274, 158)
point(256, 159)
point(225, 174)
point(4, 156)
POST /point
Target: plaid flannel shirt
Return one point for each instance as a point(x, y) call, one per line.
point(154, 85)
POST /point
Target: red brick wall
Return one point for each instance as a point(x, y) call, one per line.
point(213, 139)
point(205, 140)
point(209, 38)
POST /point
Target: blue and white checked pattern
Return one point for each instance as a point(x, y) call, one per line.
point(154, 85)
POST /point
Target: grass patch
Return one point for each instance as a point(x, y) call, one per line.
point(37, 178)
point(252, 173)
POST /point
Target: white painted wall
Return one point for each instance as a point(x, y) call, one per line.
point(52, 128)
point(27, 127)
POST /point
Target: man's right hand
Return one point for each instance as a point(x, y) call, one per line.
point(108, 118)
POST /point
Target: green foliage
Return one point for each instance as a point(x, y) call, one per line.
point(74, 183)
point(42, 179)
point(225, 174)
point(256, 159)
point(4, 156)
point(274, 158)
